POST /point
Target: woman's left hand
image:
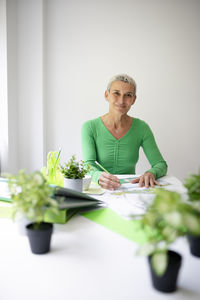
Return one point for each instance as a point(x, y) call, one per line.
point(147, 179)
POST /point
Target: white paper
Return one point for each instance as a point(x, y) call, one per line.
point(131, 200)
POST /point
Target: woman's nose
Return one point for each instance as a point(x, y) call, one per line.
point(122, 99)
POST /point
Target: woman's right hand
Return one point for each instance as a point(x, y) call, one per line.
point(108, 181)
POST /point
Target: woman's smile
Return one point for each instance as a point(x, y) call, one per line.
point(121, 96)
point(121, 106)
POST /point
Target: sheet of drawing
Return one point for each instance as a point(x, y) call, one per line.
point(127, 205)
point(131, 200)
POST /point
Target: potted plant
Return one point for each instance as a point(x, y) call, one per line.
point(31, 196)
point(74, 172)
point(52, 171)
point(166, 219)
point(192, 184)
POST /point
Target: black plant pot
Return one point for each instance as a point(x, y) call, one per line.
point(40, 238)
point(167, 283)
point(194, 242)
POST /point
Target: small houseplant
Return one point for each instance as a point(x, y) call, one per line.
point(74, 172)
point(31, 196)
point(166, 219)
point(192, 184)
point(52, 171)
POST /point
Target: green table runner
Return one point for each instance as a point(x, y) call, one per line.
point(130, 229)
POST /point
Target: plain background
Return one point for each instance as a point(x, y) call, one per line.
point(60, 55)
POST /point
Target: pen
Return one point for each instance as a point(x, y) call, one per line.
point(96, 162)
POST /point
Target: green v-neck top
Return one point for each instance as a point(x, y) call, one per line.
point(120, 156)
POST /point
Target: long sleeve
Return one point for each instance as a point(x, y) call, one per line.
point(89, 150)
point(158, 164)
point(120, 156)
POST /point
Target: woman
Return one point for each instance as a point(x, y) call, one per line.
point(114, 139)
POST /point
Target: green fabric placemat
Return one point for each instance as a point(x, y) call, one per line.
point(130, 229)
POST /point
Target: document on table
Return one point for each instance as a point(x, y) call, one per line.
point(127, 205)
point(131, 201)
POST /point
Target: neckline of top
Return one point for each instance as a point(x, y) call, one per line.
point(101, 121)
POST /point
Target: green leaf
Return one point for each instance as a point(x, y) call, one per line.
point(192, 223)
point(173, 218)
point(159, 261)
point(170, 234)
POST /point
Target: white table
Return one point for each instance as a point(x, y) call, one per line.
point(87, 262)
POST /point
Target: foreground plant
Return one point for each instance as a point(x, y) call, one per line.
point(31, 196)
point(192, 184)
point(165, 220)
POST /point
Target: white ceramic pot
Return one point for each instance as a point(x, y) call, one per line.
point(86, 182)
point(73, 184)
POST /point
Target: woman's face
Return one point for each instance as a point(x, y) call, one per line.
point(121, 97)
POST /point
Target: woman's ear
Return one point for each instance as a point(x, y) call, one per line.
point(106, 95)
point(134, 99)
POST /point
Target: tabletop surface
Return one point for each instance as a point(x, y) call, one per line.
point(87, 261)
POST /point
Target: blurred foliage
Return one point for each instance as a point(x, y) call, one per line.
point(192, 184)
point(31, 195)
point(166, 219)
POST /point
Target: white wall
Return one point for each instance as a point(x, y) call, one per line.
point(84, 44)
point(157, 42)
point(3, 88)
point(8, 87)
point(30, 84)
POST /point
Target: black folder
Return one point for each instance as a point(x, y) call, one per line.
point(71, 202)
point(72, 199)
